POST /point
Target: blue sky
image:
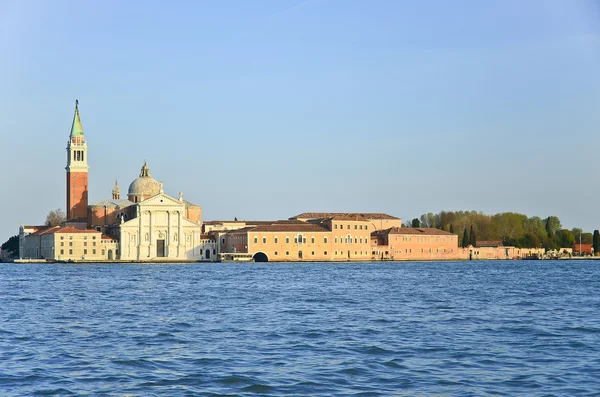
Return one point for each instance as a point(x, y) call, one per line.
point(265, 109)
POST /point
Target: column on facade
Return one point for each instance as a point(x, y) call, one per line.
point(169, 237)
point(139, 242)
point(150, 235)
point(181, 236)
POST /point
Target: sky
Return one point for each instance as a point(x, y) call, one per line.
point(267, 109)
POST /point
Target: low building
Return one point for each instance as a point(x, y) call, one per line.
point(583, 249)
point(377, 220)
point(414, 244)
point(69, 243)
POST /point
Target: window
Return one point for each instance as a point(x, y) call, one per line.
point(214, 251)
point(335, 239)
point(84, 252)
point(94, 243)
point(355, 252)
point(287, 240)
point(304, 240)
point(93, 237)
point(287, 253)
point(336, 252)
point(313, 253)
point(325, 253)
point(275, 253)
point(276, 241)
point(355, 240)
point(366, 227)
point(324, 240)
point(355, 227)
point(348, 227)
point(335, 226)
point(312, 240)
point(62, 244)
point(360, 227)
point(264, 240)
point(62, 237)
point(295, 240)
point(103, 252)
point(70, 237)
point(70, 252)
point(85, 243)
point(255, 240)
point(222, 241)
point(85, 237)
point(93, 252)
point(62, 252)
point(70, 243)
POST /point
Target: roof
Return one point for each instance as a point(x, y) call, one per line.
point(71, 229)
point(246, 222)
point(45, 230)
point(112, 203)
point(76, 128)
point(488, 243)
point(367, 215)
point(424, 231)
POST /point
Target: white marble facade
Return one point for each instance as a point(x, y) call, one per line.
point(160, 231)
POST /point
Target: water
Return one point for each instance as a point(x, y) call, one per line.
point(365, 329)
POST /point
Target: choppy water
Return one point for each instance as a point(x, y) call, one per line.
point(373, 329)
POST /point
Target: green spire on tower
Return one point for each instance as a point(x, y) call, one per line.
point(76, 128)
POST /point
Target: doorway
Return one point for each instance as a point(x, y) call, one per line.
point(160, 248)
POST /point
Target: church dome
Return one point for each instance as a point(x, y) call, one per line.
point(144, 186)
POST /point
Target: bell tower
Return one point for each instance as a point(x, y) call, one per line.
point(77, 170)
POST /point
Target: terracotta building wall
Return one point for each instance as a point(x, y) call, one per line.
point(77, 195)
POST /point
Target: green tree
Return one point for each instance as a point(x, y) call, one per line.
point(472, 238)
point(465, 239)
point(552, 224)
point(415, 223)
point(451, 228)
point(596, 242)
point(11, 245)
point(565, 238)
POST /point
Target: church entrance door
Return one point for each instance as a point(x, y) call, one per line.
point(160, 248)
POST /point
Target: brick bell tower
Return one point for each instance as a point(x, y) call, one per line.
point(77, 170)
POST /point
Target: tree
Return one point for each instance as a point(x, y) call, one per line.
point(596, 242)
point(451, 228)
point(565, 238)
point(55, 217)
point(415, 223)
point(552, 224)
point(472, 239)
point(465, 239)
point(11, 245)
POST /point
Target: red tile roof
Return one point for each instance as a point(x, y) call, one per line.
point(367, 215)
point(71, 229)
point(425, 231)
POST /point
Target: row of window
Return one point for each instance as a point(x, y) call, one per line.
point(356, 227)
point(302, 240)
point(297, 240)
point(71, 237)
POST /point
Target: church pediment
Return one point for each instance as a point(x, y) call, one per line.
point(160, 199)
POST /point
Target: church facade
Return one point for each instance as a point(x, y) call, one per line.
point(148, 225)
